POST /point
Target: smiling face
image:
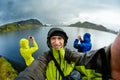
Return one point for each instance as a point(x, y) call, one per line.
point(57, 42)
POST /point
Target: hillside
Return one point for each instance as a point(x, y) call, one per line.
point(20, 25)
point(7, 72)
point(31, 23)
point(92, 26)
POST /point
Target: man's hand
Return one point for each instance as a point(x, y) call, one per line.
point(79, 37)
point(31, 37)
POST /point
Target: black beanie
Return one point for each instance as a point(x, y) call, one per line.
point(58, 34)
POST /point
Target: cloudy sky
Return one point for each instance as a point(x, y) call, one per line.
point(103, 12)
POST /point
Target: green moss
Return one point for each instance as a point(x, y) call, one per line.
point(7, 72)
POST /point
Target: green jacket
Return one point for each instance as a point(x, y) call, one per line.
point(90, 65)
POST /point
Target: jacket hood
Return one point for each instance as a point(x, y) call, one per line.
point(24, 43)
point(87, 37)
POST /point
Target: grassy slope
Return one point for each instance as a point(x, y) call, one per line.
point(31, 23)
point(7, 72)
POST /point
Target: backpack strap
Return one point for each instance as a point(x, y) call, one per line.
point(104, 64)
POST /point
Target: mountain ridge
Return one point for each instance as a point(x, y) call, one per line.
point(92, 26)
point(19, 25)
point(31, 23)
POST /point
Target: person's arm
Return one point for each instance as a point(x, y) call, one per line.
point(36, 71)
point(95, 62)
point(33, 72)
point(75, 44)
point(35, 45)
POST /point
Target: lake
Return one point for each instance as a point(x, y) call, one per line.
point(9, 42)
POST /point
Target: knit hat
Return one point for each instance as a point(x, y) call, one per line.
point(56, 32)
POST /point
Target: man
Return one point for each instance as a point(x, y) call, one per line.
point(26, 50)
point(102, 64)
point(85, 43)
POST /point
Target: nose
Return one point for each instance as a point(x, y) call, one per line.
point(56, 41)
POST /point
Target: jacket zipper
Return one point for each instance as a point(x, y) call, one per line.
point(60, 62)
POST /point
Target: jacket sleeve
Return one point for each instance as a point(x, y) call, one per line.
point(34, 47)
point(75, 44)
point(95, 60)
point(36, 71)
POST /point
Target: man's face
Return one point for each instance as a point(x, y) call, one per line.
point(57, 42)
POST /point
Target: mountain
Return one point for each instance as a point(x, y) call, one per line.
point(92, 26)
point(31, 23)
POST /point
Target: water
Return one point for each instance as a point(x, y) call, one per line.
point(9, 42)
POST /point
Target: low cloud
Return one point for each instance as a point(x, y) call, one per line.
point(60, 11)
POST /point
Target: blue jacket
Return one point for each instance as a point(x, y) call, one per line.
point(85, 45)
